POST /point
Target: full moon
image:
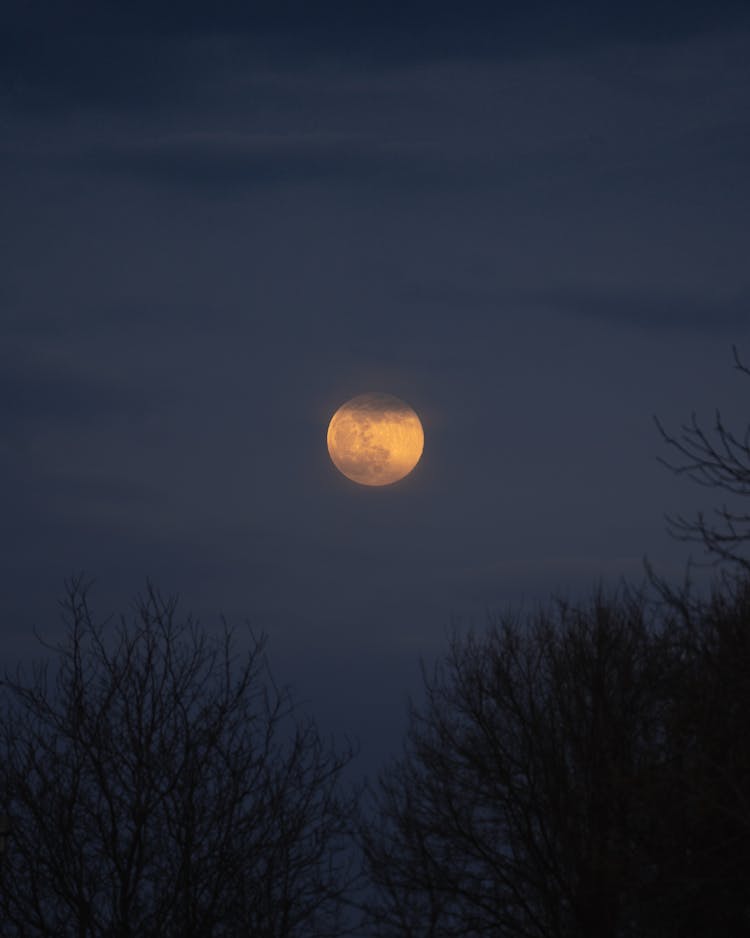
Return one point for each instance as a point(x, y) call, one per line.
point(375, 439)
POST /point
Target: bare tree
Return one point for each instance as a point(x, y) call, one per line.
point(699, 814)
point(157, 784)
point(509, 812)
point(722, 462)
point(564, 779)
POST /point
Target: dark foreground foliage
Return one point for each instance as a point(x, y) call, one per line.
point(582, 773)
point(158, 785)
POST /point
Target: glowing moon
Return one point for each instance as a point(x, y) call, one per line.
point(375, 439)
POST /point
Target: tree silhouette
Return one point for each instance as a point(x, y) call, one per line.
point(701, 820)
point(720, 462)
point(565, 778)
point(155, 784)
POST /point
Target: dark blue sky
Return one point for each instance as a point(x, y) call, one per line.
point(218, 226)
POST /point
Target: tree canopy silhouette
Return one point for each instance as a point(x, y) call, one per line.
point(155, 783)
point(580, 772)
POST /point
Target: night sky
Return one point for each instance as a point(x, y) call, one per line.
point(218, 224)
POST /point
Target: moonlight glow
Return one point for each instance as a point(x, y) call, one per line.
point(375, 439)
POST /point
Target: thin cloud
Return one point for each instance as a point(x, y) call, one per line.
point(653, 311)
point(35, 395)
point(225, 161)
point(134, 57)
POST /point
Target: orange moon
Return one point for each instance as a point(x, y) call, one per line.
point(375, 439)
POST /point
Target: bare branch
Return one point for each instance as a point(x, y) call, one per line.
point(162, 786)
point(720, 462)
point(561, 779)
